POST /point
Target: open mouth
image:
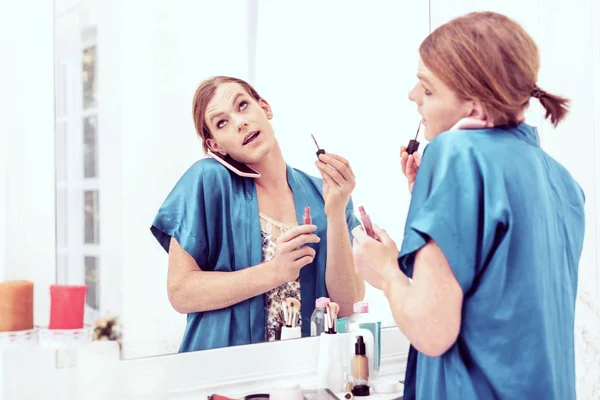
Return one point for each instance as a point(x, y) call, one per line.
point(250, 137)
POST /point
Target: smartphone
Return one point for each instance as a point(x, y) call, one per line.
point(235, 166)
point(365, 221)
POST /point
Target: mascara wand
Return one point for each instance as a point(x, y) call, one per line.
point(319, 150)
point(413, 145)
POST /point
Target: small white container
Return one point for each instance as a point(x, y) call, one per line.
point(384, 385)
point(291, 333)
point(330, 370)
point(286, 391)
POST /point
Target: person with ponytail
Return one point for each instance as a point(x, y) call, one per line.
point(494, 231)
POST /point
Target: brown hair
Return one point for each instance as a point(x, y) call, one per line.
point(489, 57)
point(206, 90)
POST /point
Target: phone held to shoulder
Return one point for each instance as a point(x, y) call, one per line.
point(234, 166)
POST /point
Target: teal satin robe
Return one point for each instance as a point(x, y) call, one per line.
point(510, 220)
point(213, 214)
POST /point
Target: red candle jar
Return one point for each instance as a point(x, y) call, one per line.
point(67, 305)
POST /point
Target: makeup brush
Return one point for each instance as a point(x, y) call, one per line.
point(326, 321)
point(413, 145)
point(293, 311)
point(285, 312)
point(296, 312)
point(288, 312)
point(334, 309)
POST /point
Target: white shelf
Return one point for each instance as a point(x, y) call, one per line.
point(65, 338)
point(19, 339)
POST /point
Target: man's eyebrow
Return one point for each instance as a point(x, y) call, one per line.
point(237, 96)
point(424, 79)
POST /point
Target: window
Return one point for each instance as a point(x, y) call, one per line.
point(91, 280)
point(91, 214)
point(62, 160)
point(89, 147)
point(77, 175)
point(89, 180)
point(88, 74)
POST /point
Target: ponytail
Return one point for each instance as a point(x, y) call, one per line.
point(556, 107)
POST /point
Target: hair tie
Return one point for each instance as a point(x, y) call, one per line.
point(537, 93)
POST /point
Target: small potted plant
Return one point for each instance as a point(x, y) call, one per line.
point(107, 328)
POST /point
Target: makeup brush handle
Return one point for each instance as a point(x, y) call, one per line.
point(285, 312)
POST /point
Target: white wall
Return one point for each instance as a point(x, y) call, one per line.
point(342, 72)
point(3, 129)
point(29, 141)
point(27, 166)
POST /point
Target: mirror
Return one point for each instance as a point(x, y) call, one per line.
point(125, 79)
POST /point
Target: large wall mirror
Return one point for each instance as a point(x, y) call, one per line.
point(126, 73)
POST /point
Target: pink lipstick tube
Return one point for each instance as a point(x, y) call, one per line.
point(306, 218)
point(366, 223)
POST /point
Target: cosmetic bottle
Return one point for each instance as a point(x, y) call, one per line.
point(317, 319)
point(361, 369)
point(362, 323)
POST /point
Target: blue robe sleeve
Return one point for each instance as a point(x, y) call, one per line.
point(183, 215)
point(448, 206)
point(351, 219)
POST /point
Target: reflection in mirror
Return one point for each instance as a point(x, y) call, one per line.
point(125, 137)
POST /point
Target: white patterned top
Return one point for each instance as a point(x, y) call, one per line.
point(270, 231)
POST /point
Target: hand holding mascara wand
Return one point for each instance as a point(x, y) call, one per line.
point(411, 160)
point(319, 150)
point(413, 145)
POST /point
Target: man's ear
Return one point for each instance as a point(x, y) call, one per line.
point(214, 146)
point(475, 117)
point(266, 108)
point(475, 111)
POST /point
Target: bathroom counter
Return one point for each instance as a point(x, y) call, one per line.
point(238, 371)
point(313, 394)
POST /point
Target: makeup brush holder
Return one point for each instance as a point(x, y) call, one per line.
point(290, 333)
point(330, 370)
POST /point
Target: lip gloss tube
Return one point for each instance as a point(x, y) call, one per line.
point(306, 218)
point(366, 222)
